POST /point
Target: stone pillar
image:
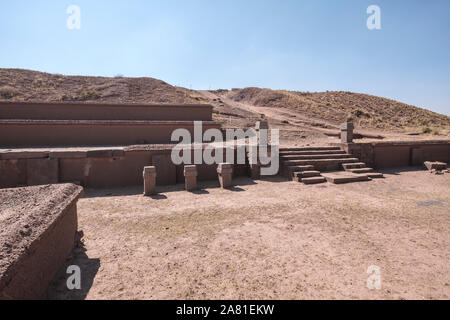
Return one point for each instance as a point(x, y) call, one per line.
point(190, 177)
point(149, 180)
point(255, 171)
point(347, 132)
point(262, 125)
point(225, 171)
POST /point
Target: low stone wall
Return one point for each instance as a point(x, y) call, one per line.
point(389, 154)
point(104, 111)
point(34, 133)
point(98, 167)
point(39, 226)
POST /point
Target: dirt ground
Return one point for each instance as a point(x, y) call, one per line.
point(269, 239)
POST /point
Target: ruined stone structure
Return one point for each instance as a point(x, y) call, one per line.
point(39, 231)
point(307, 165)
point(43, 143)
point(389, 154)
point(73, 124)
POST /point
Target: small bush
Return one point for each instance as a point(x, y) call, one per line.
point(89, 94)
point(7, 92)
point(426, 130)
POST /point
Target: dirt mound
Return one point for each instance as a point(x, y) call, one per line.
point(26, 85)
point(368, 111)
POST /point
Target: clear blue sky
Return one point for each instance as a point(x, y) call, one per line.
point(310, 45)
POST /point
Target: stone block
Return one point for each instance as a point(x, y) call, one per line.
point(167, 171)
point(42, 171)
point(10, 155)
point(46, 220)
point(255, 171)
point(347, 132)
point(225, 171)
point(149, 175)
point(100, 153)
point(435, 165)
point(73, 154)
point(261, 125)
point(13, 173)
point(190, 177)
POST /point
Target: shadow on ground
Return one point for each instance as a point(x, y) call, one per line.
point(89, 267)
point(163, 191)
point(400, 170)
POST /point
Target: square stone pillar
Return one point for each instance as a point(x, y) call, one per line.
point(347, 132)
point(149, 180)
point(262, 125)
point(225, 171)
point(255, 171)
point(190, 177)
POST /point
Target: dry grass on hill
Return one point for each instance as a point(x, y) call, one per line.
point(368, 111)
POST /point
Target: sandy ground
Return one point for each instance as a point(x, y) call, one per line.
point(271, 239)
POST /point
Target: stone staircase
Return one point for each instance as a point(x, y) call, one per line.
point(306, 164)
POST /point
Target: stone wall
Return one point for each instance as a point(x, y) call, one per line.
point(97, 167)
point(32, 133)
point(104, 111)
point(389, 154)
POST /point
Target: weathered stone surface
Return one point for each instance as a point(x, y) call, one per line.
point(149, 175)
point(42, 171)
point(102, 153)
point(167, 172)
point(255, 171)
point(344, 177)
point(71, 154)
point(13, 173)
point(38, 233)
point(261, 125)
point(8, 155)
point(225, 171)
point(435, 165)
point(190, 177)
point(347, 132)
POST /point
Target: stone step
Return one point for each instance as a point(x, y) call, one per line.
point(373, 175)
point(321, 164)
point(289, 170)
point(298, 176)
point(317, 156)
point(302, 168)
point(305, 153)
point(344, 177)
point(360, 170)
point(309, 149)
point(313, 180)
point(353, 165)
